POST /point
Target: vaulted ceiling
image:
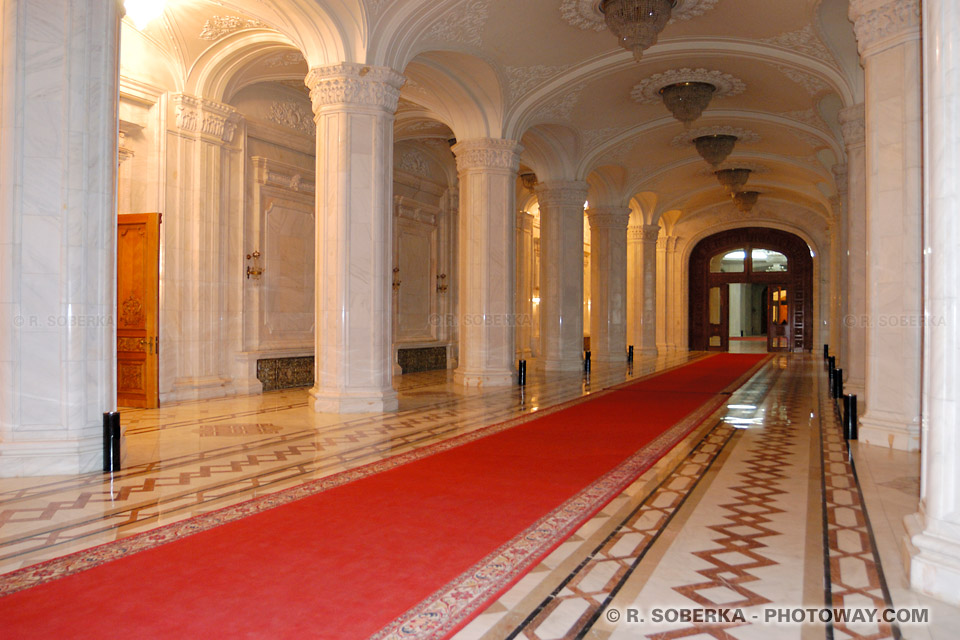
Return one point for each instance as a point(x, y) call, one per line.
point(549, 73)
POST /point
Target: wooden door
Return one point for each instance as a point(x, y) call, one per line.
point(778, 318)
point(138, 301)
point(718, 318)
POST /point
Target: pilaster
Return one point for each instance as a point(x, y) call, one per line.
point(642, 244)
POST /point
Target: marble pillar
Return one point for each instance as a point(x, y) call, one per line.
point(525, 265)
point(608, 283)
point(667, 308)
point(561, 274)
point(354, 107)
point(854, 317)
point(195, 230)
point(888, 37)
point(642, 244)
point(487, 169)
point(933, 541)
point(58, 185)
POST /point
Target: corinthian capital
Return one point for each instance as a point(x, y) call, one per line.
point(609, 217)
point(852, 125)
point(488, 153)
point(880, 24)
point(561, 193)
point(351, 84)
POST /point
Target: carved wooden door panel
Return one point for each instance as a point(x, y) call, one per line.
point(778, 319)
point(138, 285)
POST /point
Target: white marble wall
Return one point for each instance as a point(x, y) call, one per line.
point(58, 169)
point(561, 274)
point(934, 532)
point(354, 106)
point(854, 352)
point(888, 36)
point(488, 172)
point(608, 283)
point(642, 248)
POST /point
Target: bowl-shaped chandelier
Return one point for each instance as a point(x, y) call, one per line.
point(715, 148)
point(732, 179)
point(636, 23)
point(687, 100)
point(744, 200)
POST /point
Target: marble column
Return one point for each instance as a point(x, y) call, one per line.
point(524, 328)
point(666, 303)
point(933, 541)
point(354, 107)
point(487, 169)
point(561, 274)
point(888, 36)
point(58, 185)
point(195, 227)
point(642, 243)
point(854, 193)
point(608, 283)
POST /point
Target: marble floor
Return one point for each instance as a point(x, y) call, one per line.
point(760, 511)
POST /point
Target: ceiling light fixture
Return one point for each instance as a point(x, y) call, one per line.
point(687, 100)
point(636, 23)
point(142, 12)
point(715, 148)
point(732, 179)
point(744, 200)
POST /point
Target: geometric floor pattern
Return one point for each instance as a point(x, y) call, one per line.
point(758, 508)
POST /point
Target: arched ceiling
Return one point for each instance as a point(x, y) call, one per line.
point(548, 73)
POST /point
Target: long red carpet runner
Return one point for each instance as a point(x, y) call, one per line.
point(410, 547)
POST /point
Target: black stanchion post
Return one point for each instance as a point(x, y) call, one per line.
point(826, 351)
point(111, 441)
point(831, 372)
point(586, 361)
point(522, 372)
point(846, 417)
point(838, 384)
point(630, 354)
point(853, 417)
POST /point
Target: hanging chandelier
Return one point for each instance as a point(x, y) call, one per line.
point(636, 23)
point(744, 200)
point(715, 148)
point(687, 100)
point(732, 179)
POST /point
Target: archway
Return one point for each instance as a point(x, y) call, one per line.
point(757, 280)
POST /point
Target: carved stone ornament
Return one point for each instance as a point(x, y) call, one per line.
point(414, 162)
point(853, 125)
point(644, 233)
point(219, 26)
point(349, 83)
point(878, 21)
point(561, 194)
point(586, 14)
point(744, 136)
point(648, 90)
point(463, 24)
point(488, 153)
point(198, 115)
point(293, 115)
point(616, 218)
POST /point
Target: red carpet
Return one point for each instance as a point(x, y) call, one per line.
point(347, 561)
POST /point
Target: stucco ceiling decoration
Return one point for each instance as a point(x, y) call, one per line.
point(808, 117)
point(560, 110)
point(813, 84)
point(744, 136)
point(217, 27)
point(296, 85)
point(521, 79)
point(463, 24)
point(285, 59)
point(648, 89)
point(804, 41)
point(586, 14)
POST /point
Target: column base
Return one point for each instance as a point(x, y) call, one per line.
point(53, 457)
point(649, 353)
point(608, 358)
point(197, 389)
point(484, 378)
point(890, 433)
point(353, 402)
point(933, 563)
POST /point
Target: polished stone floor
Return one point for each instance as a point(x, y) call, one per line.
point(758, 510)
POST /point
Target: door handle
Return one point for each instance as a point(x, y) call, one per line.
point(148, 343)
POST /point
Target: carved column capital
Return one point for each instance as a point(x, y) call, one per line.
point(841, 177)
point(616, 218)
point(351, 84)
point(644, 233)
point(560, 193)
point(488, 154)
point(852, 125)
point(880, 24)
point(205, 117)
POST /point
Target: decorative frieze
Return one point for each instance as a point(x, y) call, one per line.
point(852, 125)
point(284, 176)
point(804, 41)
point(219, 26)
point(488, 153)
point(198, 115)
point(348, 83)
point(294, 116)
point(412, 161)
point(879, 23)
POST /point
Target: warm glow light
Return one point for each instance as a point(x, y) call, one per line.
point(536, 299)
point(141, 12)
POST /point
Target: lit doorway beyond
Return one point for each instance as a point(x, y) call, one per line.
point(748, 317)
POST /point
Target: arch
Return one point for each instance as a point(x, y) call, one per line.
point(798, 279)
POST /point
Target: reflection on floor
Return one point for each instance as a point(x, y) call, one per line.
point(750, 344)
point(734, 519)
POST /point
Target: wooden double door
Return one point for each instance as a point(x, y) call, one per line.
point(773, 318)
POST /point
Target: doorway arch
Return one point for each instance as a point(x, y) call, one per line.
point(750, 256)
